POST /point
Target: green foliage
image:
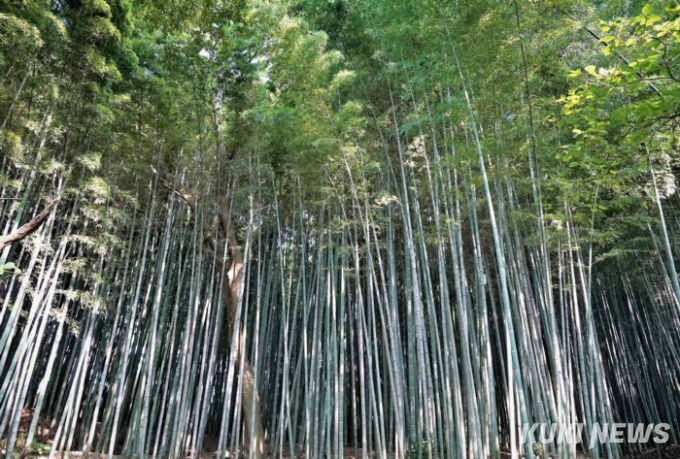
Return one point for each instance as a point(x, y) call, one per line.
point(629, 103)
point(8, 269)
point(40, 448)
point(123, 108)
point(623, 113)
point(538, 449)
point(421, 449)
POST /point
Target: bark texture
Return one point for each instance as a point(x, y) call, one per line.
point(230, 296)
point(30, 227)
point(251, 401)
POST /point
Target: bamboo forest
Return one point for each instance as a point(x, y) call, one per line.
point(339, 229)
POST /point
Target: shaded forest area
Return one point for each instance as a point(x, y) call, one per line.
point(398, 229)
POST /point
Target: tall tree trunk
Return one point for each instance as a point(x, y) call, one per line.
point(251, 401)
point(233, 278)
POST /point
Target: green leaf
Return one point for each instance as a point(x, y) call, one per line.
point(647, 9)
point(8, 268)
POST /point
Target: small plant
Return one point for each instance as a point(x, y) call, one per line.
point(421, 450)
point(40, 448)
point(7, 269)
point(538, 449)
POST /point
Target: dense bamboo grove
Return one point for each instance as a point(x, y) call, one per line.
point(407, 229)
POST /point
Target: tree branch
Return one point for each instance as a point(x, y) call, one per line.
point(29, 227)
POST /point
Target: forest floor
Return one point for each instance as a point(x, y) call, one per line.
point(42, 444)
point(672, 452)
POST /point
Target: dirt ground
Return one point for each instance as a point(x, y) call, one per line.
point(671, 452)
point(43, 437)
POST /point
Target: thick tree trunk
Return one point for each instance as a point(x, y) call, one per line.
point(251, 411)
point(251, 401)
point(233, 280)
point(28, 228)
